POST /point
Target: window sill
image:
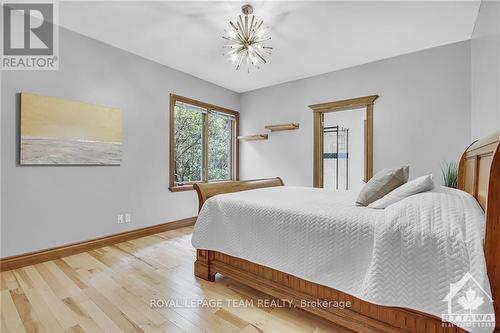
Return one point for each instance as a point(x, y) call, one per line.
point(181, 188)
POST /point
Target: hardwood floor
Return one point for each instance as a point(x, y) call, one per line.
point(111, 289)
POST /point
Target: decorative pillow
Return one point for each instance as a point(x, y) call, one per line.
point(420, 184)
point(406, 171)
point(382, 183)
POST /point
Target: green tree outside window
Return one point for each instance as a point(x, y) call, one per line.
point(189, 144)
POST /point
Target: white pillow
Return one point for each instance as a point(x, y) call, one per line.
point(420, 184)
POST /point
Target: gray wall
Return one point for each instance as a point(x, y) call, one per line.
point(422, 117)
point(48, 206)
point(485, 60)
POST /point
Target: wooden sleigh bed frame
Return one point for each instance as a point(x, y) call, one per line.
point(479, 175)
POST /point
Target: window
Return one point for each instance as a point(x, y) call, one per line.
point(203, 143)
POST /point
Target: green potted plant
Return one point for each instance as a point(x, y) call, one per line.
point(450, 174)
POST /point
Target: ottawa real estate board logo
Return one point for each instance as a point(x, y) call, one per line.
point(469, 304)
point(30, 38)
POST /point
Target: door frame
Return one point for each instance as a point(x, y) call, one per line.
point(347, 104)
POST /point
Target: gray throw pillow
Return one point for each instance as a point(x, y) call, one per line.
point(382, 183)
point(406, 171)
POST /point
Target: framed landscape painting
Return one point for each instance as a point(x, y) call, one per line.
point(55, 131)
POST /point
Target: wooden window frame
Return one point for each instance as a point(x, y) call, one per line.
point(347, 104)
point(235, 151)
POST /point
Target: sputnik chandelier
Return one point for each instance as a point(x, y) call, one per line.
point(246, 40)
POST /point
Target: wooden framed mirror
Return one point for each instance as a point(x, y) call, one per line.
point(320, 128)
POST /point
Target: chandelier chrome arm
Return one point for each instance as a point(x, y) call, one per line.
point(247, 37)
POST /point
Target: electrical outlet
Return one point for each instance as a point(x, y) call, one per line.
point(128, 218)
point(119, 218)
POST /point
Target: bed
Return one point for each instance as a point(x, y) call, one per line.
point(313, 271)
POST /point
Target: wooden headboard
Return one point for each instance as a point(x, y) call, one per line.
point(479, 175)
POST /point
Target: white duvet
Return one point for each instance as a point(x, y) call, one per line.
point(405, 255)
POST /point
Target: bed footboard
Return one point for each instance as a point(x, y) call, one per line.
point(202, 268)
point(208, 190)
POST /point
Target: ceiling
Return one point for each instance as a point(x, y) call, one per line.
point(309, 38)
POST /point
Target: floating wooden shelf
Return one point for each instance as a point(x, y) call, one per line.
point(282, 127)
point(253, 137)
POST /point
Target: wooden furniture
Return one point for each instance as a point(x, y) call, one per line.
point(479, 174)
point(208, 190)
point(282, 127)
point(253, 137)
point(235, 149)
point(348, 104)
